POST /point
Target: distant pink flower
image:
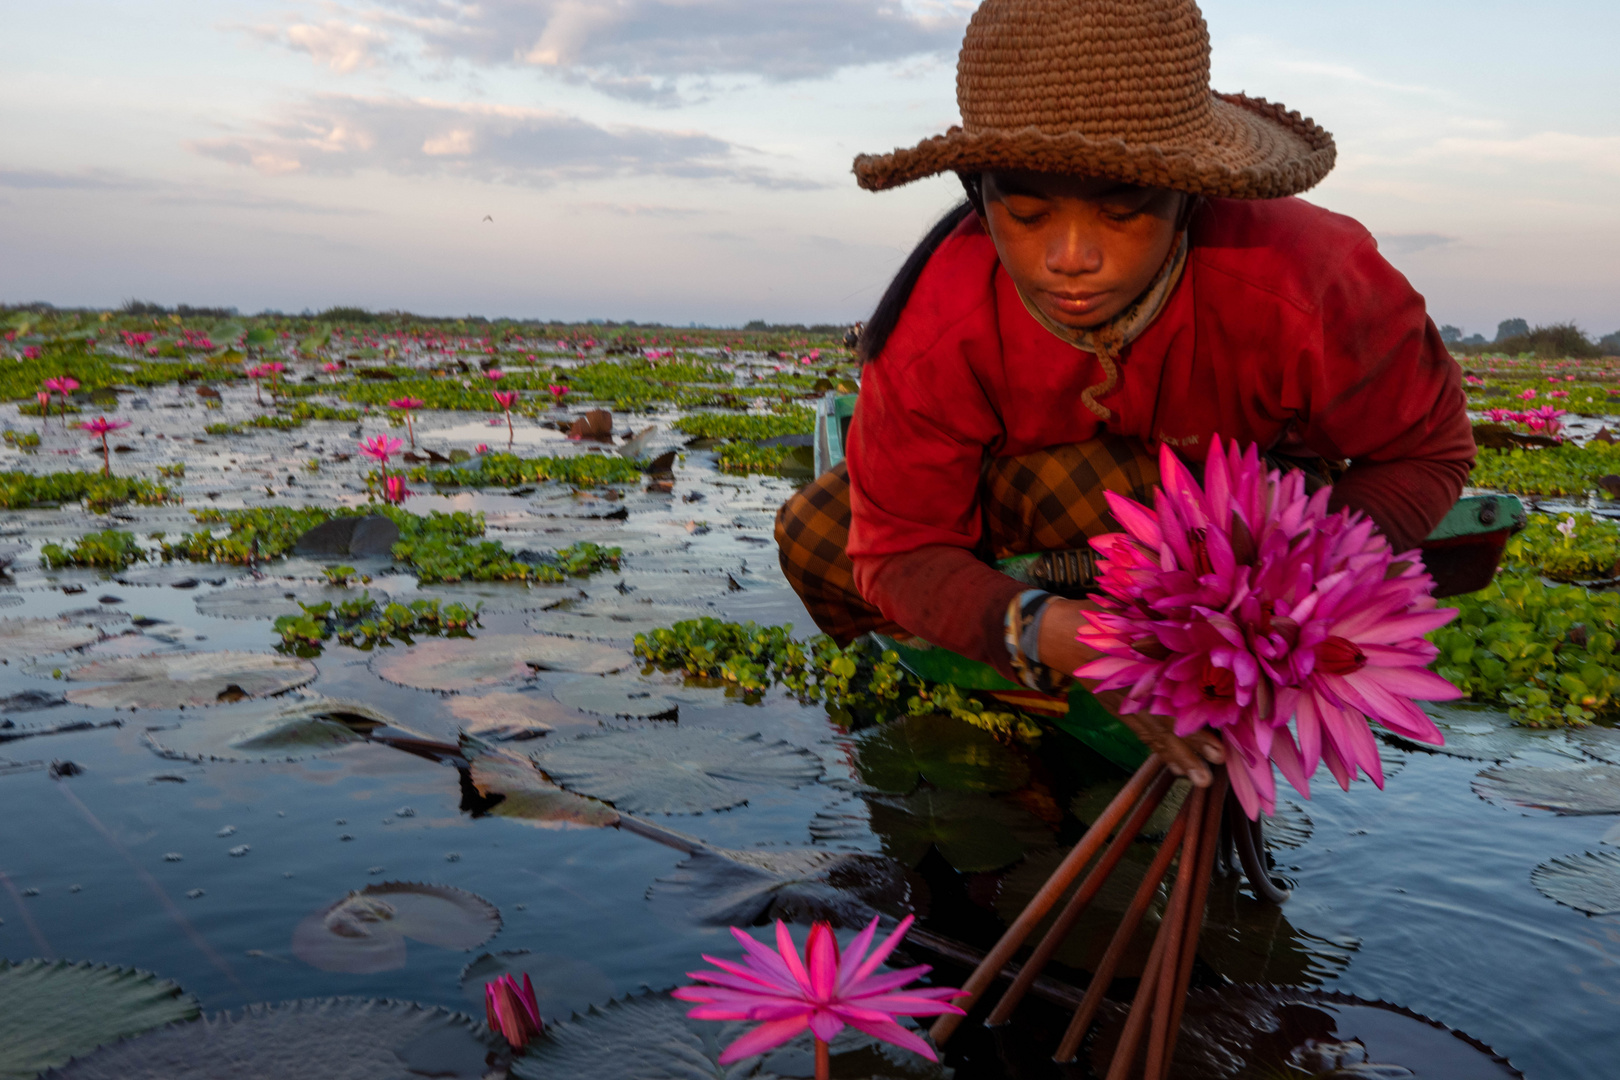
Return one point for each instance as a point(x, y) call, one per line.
point(31, 352)
point(823, 992)
point(1569, 378)
point(494, 376)
point(512, 1010)
point(408, 405)
point(481, 448)
point(1526, 394)
point(1500, 416)
point(1244, 604)
point(381, 447)
point(44, 397)
point(1473, 380)
point(804, 360)
point(1554, 378)
point(557, 391)
point(331, 367)
point(506, 399)
point(394, 489)
point(100, 427)
point(64, 385)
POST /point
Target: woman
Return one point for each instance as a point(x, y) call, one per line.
point(1130, 269)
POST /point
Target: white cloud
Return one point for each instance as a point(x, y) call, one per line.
point(342, 46)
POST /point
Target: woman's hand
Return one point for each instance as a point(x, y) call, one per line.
point(1061, 650)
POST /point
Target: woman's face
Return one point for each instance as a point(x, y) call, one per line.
point(1080, 249)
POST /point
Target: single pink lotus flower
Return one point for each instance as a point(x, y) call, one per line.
point(558, 392)
point(481, 448)
point(823, 992)
point(381, 447)
point(1527, 394)
point(394, 489)
point(1473, 380)
point(494, 376)
point(408, 405)
point(506, 399)
point(64, 385)
point(31, 352)
point(1243, 604)
point(44, 397)
point(99, 427)
point(331, 367)
point(513, 1011)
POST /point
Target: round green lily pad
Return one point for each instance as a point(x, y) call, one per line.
point(365, 931)
point(452, 664)
point(613, 618)
point(272, 730)
point(1588, 882)
point(347, 1038)
point(497, 597)
point(528, 796)
point(622, 697)
point(946, 752)
point(674, 770)
point(973, 832)
point(562, 985)
point(24, 638)
point(174, 680)
point(799, 885)
point(53, 1011)
point(1586, 789)
point(504, 715)
point(270, 600)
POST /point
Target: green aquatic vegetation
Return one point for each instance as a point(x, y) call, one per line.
point(305, 410)
point(502, 469)
point(22, 440)
point(23, 491)
point(111, 550)
point(792, 421)
point(20, 379)
point(1545, 651)
point(364, 623)
point(859, 685)
point(1566, 547)
point(272, 423)
point(746, 459)
point(1555, 470)
point(634, 384)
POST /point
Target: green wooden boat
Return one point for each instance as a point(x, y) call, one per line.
point(1462, 554)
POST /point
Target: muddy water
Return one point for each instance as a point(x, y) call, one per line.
point(1419, 895)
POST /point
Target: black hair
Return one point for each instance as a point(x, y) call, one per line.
point(875, 333)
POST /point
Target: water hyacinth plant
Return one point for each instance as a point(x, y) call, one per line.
point(823, 992)
point(99, 427)
point(1244, 605)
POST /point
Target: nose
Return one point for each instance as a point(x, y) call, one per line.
point(1073, 249)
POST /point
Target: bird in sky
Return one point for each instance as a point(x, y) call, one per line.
point(489, 218)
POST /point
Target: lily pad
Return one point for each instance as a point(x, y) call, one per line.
point(1589, 882)
point(671, 770)
point(498, 597)
point(1089, 804)
point(803, 885)
point(946, 752)
point(173, 680)
point(670, 587)
point(268, 730)
point(1266, 1031)
point(365, 931)
point(503, 715)
point(613, 619)
point(627, 698)
point(1473, 731)
point(1248, 940)
point(562, 984)
point(350, 1038)
point(23, 638)
point(528, 796)
point(636, 1038)
point(1083, 948)
point(490, 659)
point(53, 1011)
point(270, 600)
point(1602, 743)
point(1587, 789)
point(973, 832)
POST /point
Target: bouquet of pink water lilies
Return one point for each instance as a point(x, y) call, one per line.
point(1245, 608)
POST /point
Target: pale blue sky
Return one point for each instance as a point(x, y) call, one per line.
point(688, 160)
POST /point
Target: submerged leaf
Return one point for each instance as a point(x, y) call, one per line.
point(505, 715)
point(268, 600)
point(612, 618)
point(672, 770)
point(1589, 882)
point(271, 730)
point(490, 659)
point(636, 1038)
point(172, 680)
point(628, 698)
point(351, 1038)
point(529, 796)
point(973, 832)
point(752, 888)
point(23, 638)
point(52, 1011)
point(946, 752)
point(365, 931)
point(1586, 789)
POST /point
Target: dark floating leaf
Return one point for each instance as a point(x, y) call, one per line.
point(372, 535)
point(347, 1038)
point(504, 715)
point(1602, 743)
point(636, 1038)
point(365, 931)
point(973, 832)
point(271, 730)
point(753, 888)
point(1589, 882)
point(490, 659)
point(528, 796)
point(173, 680)
point(1252, 941)
point(1089, 804)
point(1084, 946)
point(562, 984)
point(23, 638)
point(627, 698)
point(674, 770)
point(946, 752)
point(1473, 731)
point(1256, 1032)
point(268, 600)
point(53, 1011)
point(1586, 789)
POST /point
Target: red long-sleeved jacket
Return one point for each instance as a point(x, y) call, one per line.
point(1287, 329)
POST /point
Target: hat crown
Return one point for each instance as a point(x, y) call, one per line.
point(1134, 70)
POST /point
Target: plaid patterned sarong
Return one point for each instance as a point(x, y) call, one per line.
point(1050, 500)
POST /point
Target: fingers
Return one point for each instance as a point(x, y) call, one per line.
point(1182, 756)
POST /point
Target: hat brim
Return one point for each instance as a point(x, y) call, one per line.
point(1249, 149)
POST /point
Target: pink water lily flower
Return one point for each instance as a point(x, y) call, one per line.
point(506, 399)
point(1242, 605)
point(494, 375)
point(381, 447)
point(408, 405)
point(512, 1010)
point(557, 391)
point(100, 427)
point(481, 448)
point(822, 992)
point(394, 489)
point(44, 398)
point(64, 385)
point(1526, 394)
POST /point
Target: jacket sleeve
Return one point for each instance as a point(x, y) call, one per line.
point(1381, 390)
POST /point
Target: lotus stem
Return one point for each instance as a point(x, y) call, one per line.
point(106, 456)
point(823, 1061)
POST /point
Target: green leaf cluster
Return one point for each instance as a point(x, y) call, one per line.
point(1545, 651)
point(746, 459)
point(792, 421)
point(1592, 551)
point(1555, 470)
point(23, 491)
point(505, 470)
point(858, 684)
point(364, 623)
point(266, 422)
point(111, 550)
point(22, 440)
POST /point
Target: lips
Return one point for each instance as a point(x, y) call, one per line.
point(1076, 303)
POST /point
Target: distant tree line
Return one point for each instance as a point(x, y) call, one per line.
point(1516, 336)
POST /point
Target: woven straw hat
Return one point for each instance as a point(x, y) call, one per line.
point(1112, 88)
